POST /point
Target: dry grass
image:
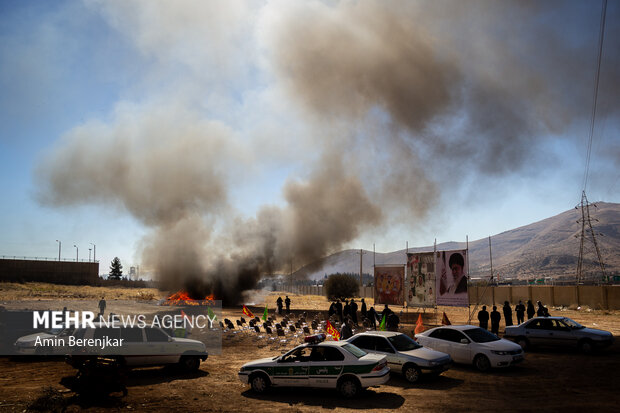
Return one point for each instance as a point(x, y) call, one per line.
point(45, 291)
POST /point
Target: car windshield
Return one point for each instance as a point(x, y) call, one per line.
point(403, 342)
point(356, 351)
point(572, 324)
point(480, 335)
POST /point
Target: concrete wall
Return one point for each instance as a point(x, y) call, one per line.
point(57, 272)
point(597, 297)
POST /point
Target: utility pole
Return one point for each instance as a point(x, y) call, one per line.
point(361, 253)
point(94, 252)
point(587, 234)
point(59, 245)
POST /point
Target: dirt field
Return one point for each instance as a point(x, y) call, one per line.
point(546, 381)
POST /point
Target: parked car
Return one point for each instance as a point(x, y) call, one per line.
point(318, 363)
point(558, 331)
point(31, 343)
point(403, 354)
point(141, 347)
point(470, 344)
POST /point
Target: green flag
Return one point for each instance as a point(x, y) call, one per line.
point(211, 314)
point(265, 313)
point(382, 325)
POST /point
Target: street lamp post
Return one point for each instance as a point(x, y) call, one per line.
point(77, 251)
point(59, 245)
point(89, 250)
point(94, 252)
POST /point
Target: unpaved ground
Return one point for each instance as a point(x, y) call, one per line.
point(547, 381)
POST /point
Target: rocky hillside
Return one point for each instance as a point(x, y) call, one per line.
point(548, 248)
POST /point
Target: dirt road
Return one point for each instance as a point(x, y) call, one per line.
point(546, 381)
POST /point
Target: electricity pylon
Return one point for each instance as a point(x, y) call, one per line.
point(587, 234)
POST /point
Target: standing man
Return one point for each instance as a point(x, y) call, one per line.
point(483, 318)
point(495, 319)
point(364, 309)
point(530, 309)
point(339, 310)
point(507, 314)
point(520, 310)
point(102, 306)
point(372, 316)
point(353, 311)
point(279, 304)
point(287, 302)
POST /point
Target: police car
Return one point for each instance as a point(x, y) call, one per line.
point(319, 363)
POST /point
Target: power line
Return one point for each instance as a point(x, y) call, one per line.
point(595, 98)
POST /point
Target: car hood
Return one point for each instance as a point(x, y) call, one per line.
point(259, 362)
point(425, 353)
point(592, 332)
point(500, 345)
point(33, 337)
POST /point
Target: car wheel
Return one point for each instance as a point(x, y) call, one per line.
point(482, 362)
point(189, 363)
point(412, 373)
point(586, 346)
point(524, 343)
point(348, 387)
point(259, 383)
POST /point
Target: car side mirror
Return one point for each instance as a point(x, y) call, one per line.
point(464, 341)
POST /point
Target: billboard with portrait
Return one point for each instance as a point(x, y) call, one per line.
point(420, 283)
point(451, 278)
point(389, 284)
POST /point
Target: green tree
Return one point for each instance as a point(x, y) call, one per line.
point(116, 269)
point(341, 286)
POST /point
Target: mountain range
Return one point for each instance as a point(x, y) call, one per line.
point(547, 248)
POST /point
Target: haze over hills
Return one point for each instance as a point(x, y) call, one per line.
point(547, 248)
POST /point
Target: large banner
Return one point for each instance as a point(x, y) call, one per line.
point(421, 279)
point(389, 285)
point(451, 278)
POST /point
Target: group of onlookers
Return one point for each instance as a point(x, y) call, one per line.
point(520, 310)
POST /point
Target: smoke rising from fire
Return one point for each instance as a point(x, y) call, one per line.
point(376, 109)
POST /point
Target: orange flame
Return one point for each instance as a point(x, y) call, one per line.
point(183, 298)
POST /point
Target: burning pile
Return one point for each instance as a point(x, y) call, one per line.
point(183, 298)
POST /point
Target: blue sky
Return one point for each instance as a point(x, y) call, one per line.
point(441, 121)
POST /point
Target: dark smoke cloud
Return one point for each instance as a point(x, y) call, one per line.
point(398, 98)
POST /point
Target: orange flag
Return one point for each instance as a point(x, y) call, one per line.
point(419, 326)
point(331, 330)
point(445, 321)
point(247, 312)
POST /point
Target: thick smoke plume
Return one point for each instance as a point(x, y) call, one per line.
point(398, 101)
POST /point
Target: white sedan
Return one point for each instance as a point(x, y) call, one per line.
point(470, 344)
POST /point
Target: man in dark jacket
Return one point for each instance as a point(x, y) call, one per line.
point(339, 310)
point(353, 311)
point(495, 319)
point(520, 310)
point(530, 309)
point(507, 314)
point(372, 317)
point(483, 318)
point(364, 309)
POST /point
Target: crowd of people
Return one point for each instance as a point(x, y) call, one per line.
point(520, 309)
point(346, 313)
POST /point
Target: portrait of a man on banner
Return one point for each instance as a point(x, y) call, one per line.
point(452, 273)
